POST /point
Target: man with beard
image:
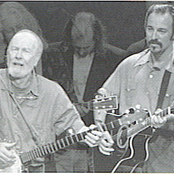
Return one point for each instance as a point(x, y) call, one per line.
point(34, 109)
point(140, 79)
point(80, 64)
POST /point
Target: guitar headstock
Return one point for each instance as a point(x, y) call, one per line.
point(105, 103)
point(134, 115)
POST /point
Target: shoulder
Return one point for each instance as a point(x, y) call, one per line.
point(136, 47)
point(111, 49)
point(3, 73)
point(133, 59)
point(49, 85)
point(54, 46)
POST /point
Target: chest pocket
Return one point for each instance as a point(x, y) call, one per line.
point(169, 96)
point(130, 91)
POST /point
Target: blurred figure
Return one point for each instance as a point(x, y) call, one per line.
point(14, 17)
point(81, 63)
point(2, 48)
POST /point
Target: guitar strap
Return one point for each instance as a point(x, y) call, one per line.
point(33, 134)
point(163, 89)
point(162, 93)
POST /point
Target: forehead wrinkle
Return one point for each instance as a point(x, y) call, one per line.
point(19, 38)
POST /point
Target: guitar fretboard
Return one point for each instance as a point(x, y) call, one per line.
point(62, 143)
point(166, 111)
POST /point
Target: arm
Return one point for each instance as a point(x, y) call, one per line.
point(66, 117)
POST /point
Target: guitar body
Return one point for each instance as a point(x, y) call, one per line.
point(103, 163)
point(135, 154)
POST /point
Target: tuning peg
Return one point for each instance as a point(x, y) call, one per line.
point(138, 106)
point(131, 110)
point(102, 91)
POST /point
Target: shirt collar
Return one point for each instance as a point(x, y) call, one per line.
point(146, 58)
point(33, 89)
point(89, 56)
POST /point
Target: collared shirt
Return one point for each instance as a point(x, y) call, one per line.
point(81, 71)
point(46, 108)
point(136, 81)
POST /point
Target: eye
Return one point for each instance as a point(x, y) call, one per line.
point(149, 28)
point(162, 30)
point(27, 50)
point(14, 48)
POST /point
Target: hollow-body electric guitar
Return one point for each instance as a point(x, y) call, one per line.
point(136, 139)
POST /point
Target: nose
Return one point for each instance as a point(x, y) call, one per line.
point(154, 35)
point(18, 54)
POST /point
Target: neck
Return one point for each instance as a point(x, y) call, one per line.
point(21, 83)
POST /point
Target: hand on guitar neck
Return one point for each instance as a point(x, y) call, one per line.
point(99, 138)
point(158, 120)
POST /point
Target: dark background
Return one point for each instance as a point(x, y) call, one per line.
point(123, 20)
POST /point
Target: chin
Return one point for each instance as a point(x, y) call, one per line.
point(17, 75)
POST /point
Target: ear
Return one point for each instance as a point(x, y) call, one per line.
point(37, 58)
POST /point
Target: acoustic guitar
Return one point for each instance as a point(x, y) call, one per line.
point(136, 140)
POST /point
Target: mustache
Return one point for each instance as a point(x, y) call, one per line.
point(155, 41)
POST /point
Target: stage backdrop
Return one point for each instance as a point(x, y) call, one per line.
point(123, 20)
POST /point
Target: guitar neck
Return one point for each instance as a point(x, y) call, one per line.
point(166, 111)
point(135, 129)
point(62, 143)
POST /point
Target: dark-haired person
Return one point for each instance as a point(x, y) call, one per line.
point(81, 63)
point(142, 79)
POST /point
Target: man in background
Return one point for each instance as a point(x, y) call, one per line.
point(81, 63)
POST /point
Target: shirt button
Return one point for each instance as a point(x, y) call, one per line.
point(150, 76)
point(147, 93)
point(128, 89)
point(167, 95)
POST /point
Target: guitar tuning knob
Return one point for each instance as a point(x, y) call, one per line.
point(131, 110)
point(138, 106)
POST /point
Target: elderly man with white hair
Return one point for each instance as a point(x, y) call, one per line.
point(34, 109)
